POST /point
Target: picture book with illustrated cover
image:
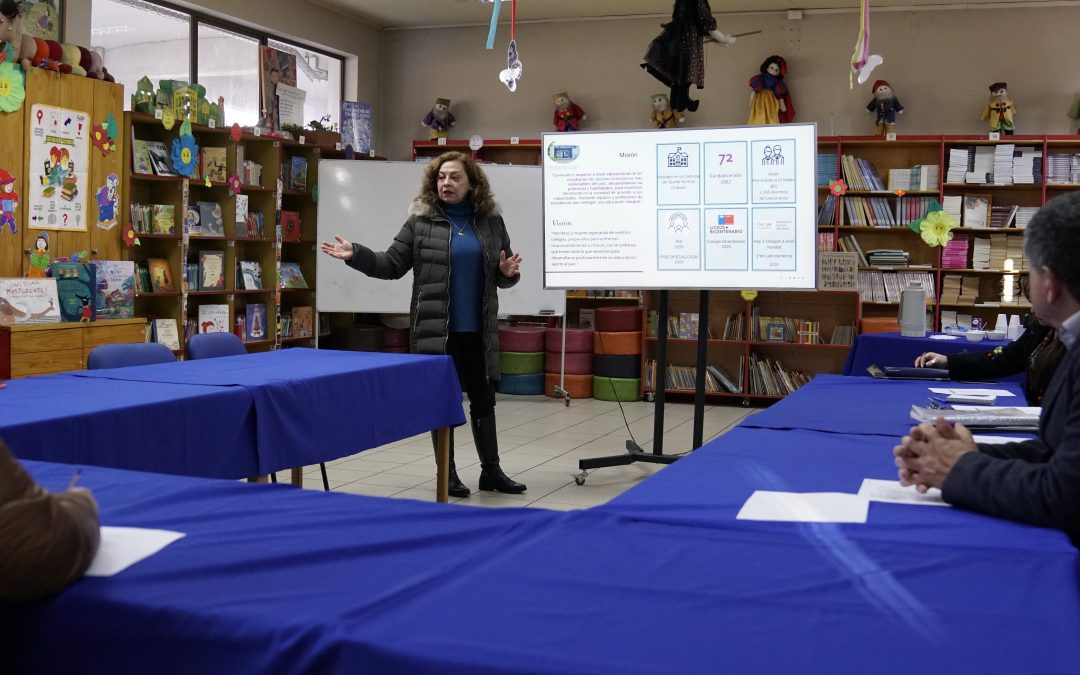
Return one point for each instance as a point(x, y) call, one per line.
point(291, 276)
point(241, 210)
point(165, 332)
point(164, 219)
point(115, 289)
point(28, 300)
point(76, 288)
point(210, 219)
point(211, 270)
point(213, 319)
point(255, 324)
point(250, 275)
point(160, 275)
point(302, 321)
point(213, 164)
point(140, 158)
point(290, 226)
point(298, 173)
point(356, 126)
point(160, 159)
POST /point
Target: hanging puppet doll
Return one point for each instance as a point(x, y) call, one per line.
point(663, 117)
point(676, 57)
point(568, 116)
point(885, 105)
point(439, 119)
point(1000, 109)
point(771, 101)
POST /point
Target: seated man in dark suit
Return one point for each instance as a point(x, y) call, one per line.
point(1035, 481)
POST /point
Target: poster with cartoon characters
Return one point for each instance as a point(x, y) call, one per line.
point(59, 168)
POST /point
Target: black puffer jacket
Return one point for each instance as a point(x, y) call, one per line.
point(423, 246)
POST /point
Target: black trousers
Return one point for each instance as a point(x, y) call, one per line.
point(467, 350)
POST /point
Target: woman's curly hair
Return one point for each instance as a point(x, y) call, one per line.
point(480, 190)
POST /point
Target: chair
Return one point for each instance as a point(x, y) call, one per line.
point(132, 354)
point(212, 345)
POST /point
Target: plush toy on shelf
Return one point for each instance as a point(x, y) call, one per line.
point(663, 117)
point(771, 101)
point(29, 51)
point(439, 119)
point(1000, 109)
point(885, 106)
point(568, 116)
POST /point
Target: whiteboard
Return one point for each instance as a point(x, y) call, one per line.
point(716, 208)
point(367, 202)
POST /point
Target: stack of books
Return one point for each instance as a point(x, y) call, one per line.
point(843, 335)
point(1027, 166)
point(1003, 163)
point(955, 254)
point(827, 212)
point(912, 208)
point(826, 168)
point(773, 378)
point(735, 327)
point(849, 244)
point(953, 206)
point(980, 253)
point(826, 241)
point(918, 177)
point(1024, 215)
point(961, 161)
point(1014, 250)
point(860, 174)
point(998, 252)
point(1003, 216)
point(982, 168)
point(888, 257)
point(951, 286)
point(1063, 169)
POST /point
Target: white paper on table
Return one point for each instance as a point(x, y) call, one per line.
point(122, 547)
point(804, 507)
point(998, 440)
point(1024, 409)
point(891, 491)
point(290, 104)
point(970, 392)
point(944, 337)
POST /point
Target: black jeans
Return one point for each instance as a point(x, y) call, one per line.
point(467, 350)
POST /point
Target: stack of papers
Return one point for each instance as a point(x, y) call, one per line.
point(988, 417)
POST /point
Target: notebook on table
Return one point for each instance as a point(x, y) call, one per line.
point(908, 373)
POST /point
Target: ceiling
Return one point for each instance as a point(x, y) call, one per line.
point(415, 13)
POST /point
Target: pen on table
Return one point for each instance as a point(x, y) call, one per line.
point(74, 479)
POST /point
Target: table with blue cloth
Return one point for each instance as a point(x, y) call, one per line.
point(661, 579)
point(893, 349)
point(233, 416)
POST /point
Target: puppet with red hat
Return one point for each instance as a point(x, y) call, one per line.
point(9, 201)
point(771, 101)
point(885, 105)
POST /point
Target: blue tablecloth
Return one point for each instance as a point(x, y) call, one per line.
point(859, 405)
point(893, 349)
point(313, 405)
point(168, 428)
point(275, 580)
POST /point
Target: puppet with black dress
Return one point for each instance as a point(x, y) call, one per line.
point(677, 56)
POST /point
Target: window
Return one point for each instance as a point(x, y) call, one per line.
point(136, 38)
point(229, 66)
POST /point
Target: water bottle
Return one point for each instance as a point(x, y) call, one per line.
point(913, 310)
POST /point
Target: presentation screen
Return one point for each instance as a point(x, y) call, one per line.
point(726, 208)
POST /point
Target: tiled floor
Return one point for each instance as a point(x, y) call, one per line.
point(540, 443)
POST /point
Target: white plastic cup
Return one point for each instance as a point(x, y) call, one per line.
point(1014, 327)
point(1002, 323)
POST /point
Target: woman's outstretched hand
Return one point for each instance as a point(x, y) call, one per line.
point(508, 266)
point(340, 249)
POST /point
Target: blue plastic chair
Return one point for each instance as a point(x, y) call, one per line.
point(213, 345)
point(133, 354)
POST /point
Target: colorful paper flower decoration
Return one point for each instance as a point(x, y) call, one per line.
point(185, 155)
point(112, 129)
point(234, 185)
point(235, 132)
point(206, 181)
point(12, 91)
point(99, 138)
point(900, 193)
point(936, 228)
point(838, 187)
point(129, 237)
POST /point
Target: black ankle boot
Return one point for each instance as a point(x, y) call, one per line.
point(691, 104)
point(457, 488)
point(492, 477)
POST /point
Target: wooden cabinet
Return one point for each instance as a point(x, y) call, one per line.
point(499, 151)
point(57, 347)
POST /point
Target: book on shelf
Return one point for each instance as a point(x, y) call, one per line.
point(76, 289)
point(252, 227)
point(210, 219)
point(161, 278)
point(213, 164)
point(241, 213)
point(29, 300)
point(192, 220)
point(826, 241)
point(165, 332)
point(142, 279)
point(356, 126)
point(735, 327)
point(850, 244)
point(302, 319)
point(298, 173)
point(115, 289)
point(163, 219)
point(290, 226)
point(250, 275)
point(255, 322)
point(213, 319)
point(140, 158)
point(843, 335)
point(291, 276)
point(160, 158)
point(731, 384)
point(773, 378)
point(211, 271)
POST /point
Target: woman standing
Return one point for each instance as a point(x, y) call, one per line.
point(456, 245)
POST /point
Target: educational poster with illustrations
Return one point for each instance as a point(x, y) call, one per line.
point(717, 208)
point(276, 67)
point(59, 168)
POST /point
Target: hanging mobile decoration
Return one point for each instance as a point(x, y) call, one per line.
point(512, 73)
point(862, 61)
